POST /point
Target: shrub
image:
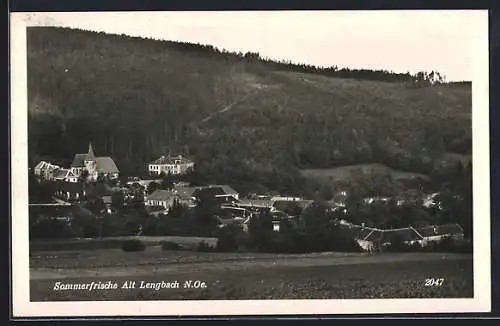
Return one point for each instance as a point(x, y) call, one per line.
point(170, 245)
point(204, 247)
point(226, 241)
point(133, 245)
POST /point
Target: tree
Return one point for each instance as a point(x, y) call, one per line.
point(83, 178)
point(152, 187)
point(177, 210)
point(117, 200)
point(167, 181)
point(207, 208)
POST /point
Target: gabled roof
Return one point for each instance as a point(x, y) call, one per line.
point(434, 230)
point(255, 202)
point(90, 154)
point(40, 165)
point(228, 190)
point(186, 192)
point(212, 190)
point(169, 159)
point(78, 161)
point(161, 195)
point(105, 164)
point(63, 173)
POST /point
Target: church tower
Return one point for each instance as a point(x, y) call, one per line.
point(90, 163)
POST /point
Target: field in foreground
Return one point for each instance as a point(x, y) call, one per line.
point(250, 276)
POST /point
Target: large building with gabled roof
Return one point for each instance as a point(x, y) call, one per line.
point(94, 165)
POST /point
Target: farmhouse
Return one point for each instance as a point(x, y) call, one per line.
point(255, 204)
point(63, 175)
point(163, 198)
point(224, 193)
point(435, 233)
point(94, 166)
point(46, 170)
point(175, 165)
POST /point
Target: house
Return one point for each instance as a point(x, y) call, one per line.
point(256, 204)
point(291, 207)
point(224, 193)
point(44, 170)
point(64, 175)
point(94, 166)
point(235, 212)
point(435, 233)
point(165, 199)
point(175, 165)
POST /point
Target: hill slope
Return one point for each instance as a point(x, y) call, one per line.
point(239, 117)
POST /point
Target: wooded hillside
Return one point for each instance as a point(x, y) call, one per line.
point(240, 117)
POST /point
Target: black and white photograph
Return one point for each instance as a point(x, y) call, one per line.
point(323, 161)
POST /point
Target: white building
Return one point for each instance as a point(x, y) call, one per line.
point(174, 165)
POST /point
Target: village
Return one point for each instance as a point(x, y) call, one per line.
point(91, 178)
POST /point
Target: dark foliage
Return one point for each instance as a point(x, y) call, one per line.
point(204, 247)
point(133, 245)
point(137, 99)
point(170, 245)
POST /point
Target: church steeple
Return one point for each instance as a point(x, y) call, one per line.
point(90, 155)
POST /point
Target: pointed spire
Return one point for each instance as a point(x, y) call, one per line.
point(90, 154)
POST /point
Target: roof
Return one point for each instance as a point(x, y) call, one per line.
point(212, 190)
point(63, 173)
point(285, 205)
point(161, 194)
point(169, 159)
point(41, 165)
point(406, 234)
point(186, 192)
point(218, 190)
point(228, 190)
point(434, 230)
point(90, 154)
point(255, 202)
point(78, 160)
point(288, 204)
point(105, 164)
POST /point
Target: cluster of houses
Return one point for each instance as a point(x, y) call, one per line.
point(68, 185)
point(370, 239)
point(86, 165)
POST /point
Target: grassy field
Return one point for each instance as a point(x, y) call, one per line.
point(250, 275)
point(114, 242)
point(343, 173)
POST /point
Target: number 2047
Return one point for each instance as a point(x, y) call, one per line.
point(434, 281)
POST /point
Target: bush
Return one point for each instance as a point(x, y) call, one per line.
point(133, 245)
point(227, 240)
point(204, 247)
point(170, 245)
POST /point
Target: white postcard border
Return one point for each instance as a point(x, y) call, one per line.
point(22, 307)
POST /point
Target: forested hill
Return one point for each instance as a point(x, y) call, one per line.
point(239, 116)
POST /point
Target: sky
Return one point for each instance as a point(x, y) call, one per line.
point(399, 41)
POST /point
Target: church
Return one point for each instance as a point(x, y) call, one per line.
point(95, 166)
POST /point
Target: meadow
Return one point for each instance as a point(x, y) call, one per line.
point(250, 275)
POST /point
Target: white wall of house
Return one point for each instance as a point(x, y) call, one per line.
point(174, 169)
point(163, 203)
